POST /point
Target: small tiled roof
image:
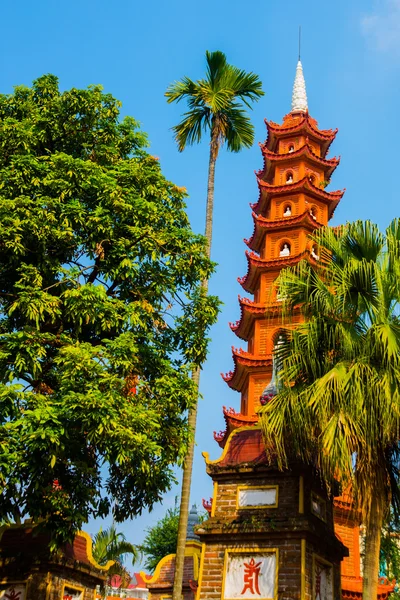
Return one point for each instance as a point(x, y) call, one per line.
point(31, 542)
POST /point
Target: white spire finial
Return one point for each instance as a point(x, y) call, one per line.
point(299, 96)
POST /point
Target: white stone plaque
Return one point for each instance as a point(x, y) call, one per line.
point(323, 581)
point(14, 592)
point(250, 575)
point(252, 497)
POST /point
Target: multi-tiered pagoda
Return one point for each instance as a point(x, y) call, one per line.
point(272, 534)
point(292, 202)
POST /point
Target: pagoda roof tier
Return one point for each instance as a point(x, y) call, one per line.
point(352, 587)
point(233, 420)
point(257, 265)
point(268, 190)
point(249, 312)
point(270, 158)
point(262, 225)
point(245, 447)
point(244, 362)
point(299, 123)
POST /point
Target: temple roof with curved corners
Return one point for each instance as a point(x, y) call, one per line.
point(257, 265)
point(262, 225)
point(267, 190)
point(243, 363)
point(233, 420)
point(250, 311)
point(35, 543)
point(163, 576)
point(295, 124)
point(270, 158)
point(244, 446)
point(352, 587)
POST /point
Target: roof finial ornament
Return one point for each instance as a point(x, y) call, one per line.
point(299, 96)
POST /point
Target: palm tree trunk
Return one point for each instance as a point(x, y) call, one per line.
point(374, 525)
point(192, 418)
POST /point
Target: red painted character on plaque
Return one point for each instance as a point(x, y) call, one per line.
point(250, 577)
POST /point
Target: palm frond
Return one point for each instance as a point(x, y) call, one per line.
point(339, 381)
point(216, 67)
point(239, 132)
point(189, 130)
point(245, 86)
point(180, 90)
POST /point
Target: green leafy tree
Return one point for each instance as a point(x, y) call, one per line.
point(111, 545)
point(161, 539)
point(216, 107)
point(339, 398)
point(102, 318)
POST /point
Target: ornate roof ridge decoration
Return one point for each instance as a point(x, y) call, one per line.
point(305, 181)
point(207, 505)
point(255, 263)
point(243, 361)
point(305, 149)
point(230, 414)
point(301, 185)
point(77, 552)
point(352, 587)
point(250, 310)
point(257, 450)
point(293, 124)
point(261, 223)
point(299, 94)
point(257, 308)
point(192, 555)
point(233, 421)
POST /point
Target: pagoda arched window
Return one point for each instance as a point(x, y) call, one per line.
point(311, 179)
point(287, 211)
point(289, 177)
point(313, 213)
point(285, 249)
point(291, 148)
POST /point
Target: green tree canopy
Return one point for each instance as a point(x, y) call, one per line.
point(161, 539)
point(101, 314)
point(338, 404)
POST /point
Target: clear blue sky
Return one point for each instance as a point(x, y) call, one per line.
point(351, 60)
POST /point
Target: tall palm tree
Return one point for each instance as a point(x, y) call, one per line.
point(108, 544)
point(216, 106)
point(338, 401)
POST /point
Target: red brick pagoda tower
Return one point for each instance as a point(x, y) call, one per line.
point(292, 203)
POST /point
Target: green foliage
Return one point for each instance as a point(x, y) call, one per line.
point(109, 544)
point(161, 539)
point(339, 398)
point(101, 314)
point(215, 104)
point(389, 564)
point(338, 405)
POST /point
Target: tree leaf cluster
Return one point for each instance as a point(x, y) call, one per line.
point(102, 317)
